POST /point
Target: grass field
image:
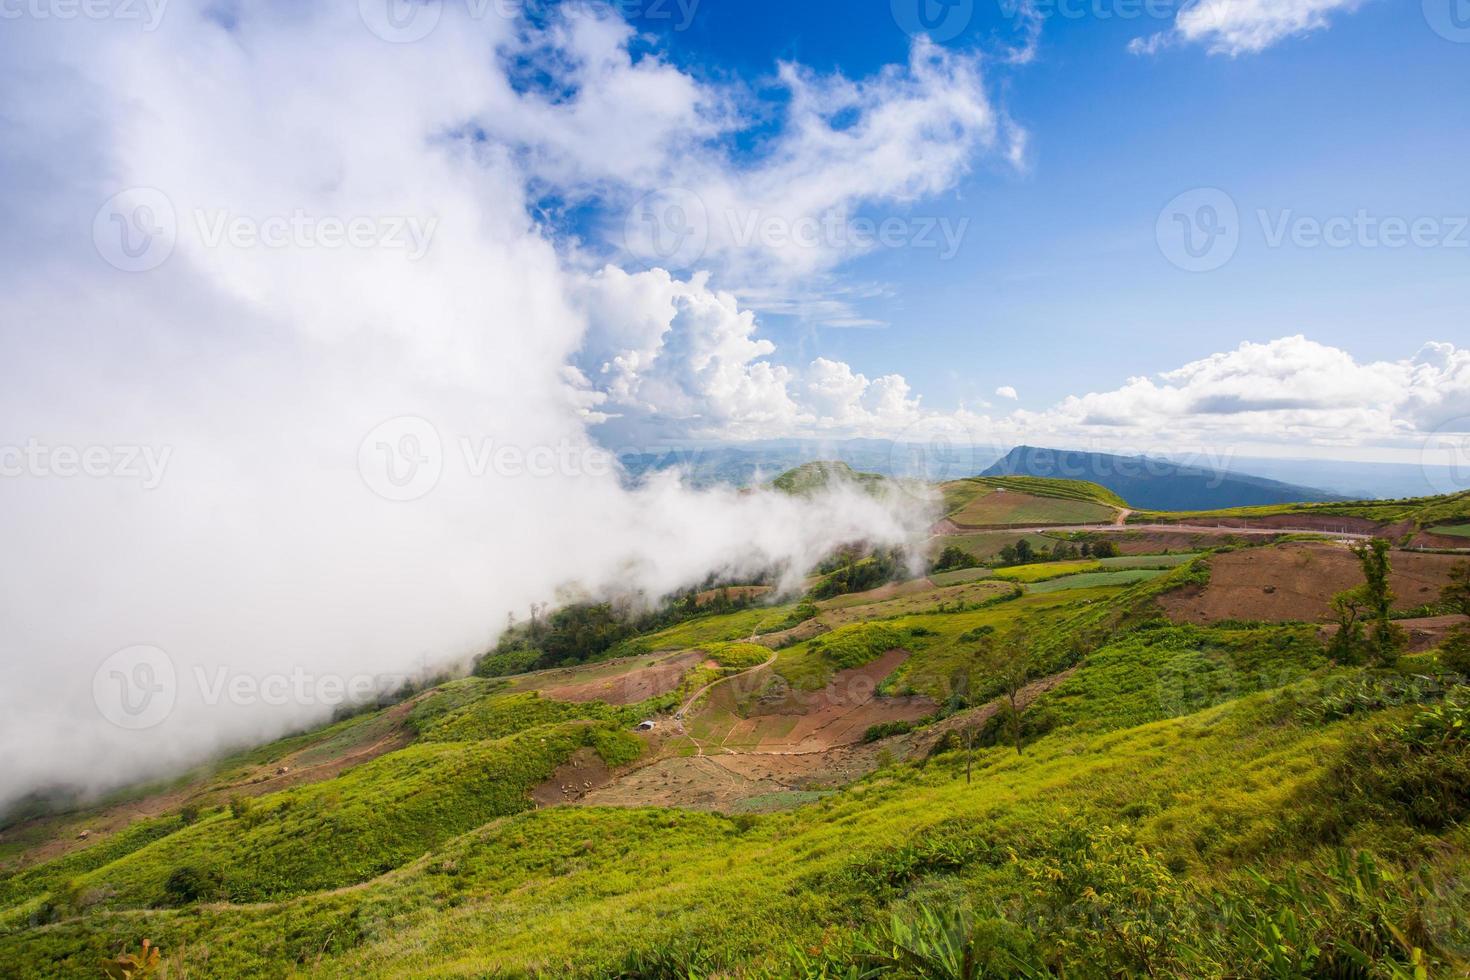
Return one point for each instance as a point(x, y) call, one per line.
point(1092, 580)
point(961, 576)
point(1007, 508)
point(985, 545)
point(1202, 801)
point(1045, 570)
point(1454, 531)
point(1148, 561)
point(1425, 511)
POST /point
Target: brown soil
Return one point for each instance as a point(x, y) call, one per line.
point(633, 686)
point(1447, 542)
point(790, 741)
point(581, 774)
point(1296, 583)
point(1132, 542)
point(1424, 634)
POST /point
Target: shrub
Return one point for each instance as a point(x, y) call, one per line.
point(858, 644)
point(188, 884)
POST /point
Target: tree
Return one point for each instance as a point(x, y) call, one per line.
point(1364, 614)
point(1457, 593)
point(952, 558)
point(1347, 643)
point(1024, 552)
point(1006, 662)
point(1455, 654)
point(1385, 640)
point(1104, 549)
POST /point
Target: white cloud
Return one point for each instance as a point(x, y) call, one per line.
point(1006, 391)
point(1236, 27)
point(1290, 391)
point(838, 154)
point(261, 370)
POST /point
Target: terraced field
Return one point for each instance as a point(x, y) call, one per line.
point(792, 801)
point(1004, 508)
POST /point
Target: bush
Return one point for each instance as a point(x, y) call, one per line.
point(858, 644)
point(1454, 656)
point(188, 884)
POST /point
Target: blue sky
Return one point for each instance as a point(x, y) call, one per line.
point(1060, 287)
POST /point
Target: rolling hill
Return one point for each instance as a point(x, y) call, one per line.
point(1158, 764)
point(1154, 484)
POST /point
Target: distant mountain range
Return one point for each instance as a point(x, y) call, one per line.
point(1157, 483)
point(1150, 483)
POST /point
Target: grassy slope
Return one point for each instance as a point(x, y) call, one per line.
point(1424, 511)
point(1179, 742)
point(570, 891)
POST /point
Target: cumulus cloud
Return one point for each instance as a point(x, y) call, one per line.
point(650, 150)
point(294, 384)
point(1006, 391)
point(1236, 27)
point(1290, 391)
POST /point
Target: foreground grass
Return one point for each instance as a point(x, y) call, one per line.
point(570, 892)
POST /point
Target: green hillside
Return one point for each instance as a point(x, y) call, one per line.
point(810, 478)
point(1424, 512)
point(1173, 800)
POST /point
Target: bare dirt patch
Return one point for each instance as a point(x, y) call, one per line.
point(1296, 583)
point(632, 686)
point(581, 774)
point(1424, 634)
point(788, 743)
